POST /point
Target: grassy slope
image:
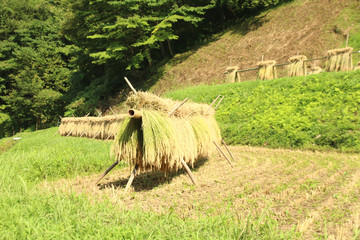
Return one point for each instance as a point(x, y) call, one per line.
point(308, 27)
point(304, 112)
point(29, 211)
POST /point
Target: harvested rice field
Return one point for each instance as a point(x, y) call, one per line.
point(315, 194)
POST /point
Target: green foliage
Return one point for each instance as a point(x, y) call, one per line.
point(319, 111)
point(5, 125)
point(33, 63)
point(128, 31)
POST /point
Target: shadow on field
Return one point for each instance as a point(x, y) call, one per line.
point(149, 180)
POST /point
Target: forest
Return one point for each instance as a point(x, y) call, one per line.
point(66, 57)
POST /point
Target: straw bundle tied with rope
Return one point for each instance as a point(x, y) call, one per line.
point(157, 141)
point(297, 66)
point(91, 127)
point(267, 70)
point(339, 59)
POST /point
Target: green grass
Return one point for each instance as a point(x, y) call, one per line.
point(28, 211)
point(55, 216)
point(318, 111)
point(41, 155)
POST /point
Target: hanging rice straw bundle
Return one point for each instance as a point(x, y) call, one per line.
point(232, 74)
point(297, 66)
point(339, 59)
point(159, 142)
point(91, 127)
point(145, 100)
point(267, 70)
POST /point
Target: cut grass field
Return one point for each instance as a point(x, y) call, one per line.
point(269, 194)
point(308, 194)
point(30, 210)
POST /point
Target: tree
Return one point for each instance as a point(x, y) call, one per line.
point(33, 61)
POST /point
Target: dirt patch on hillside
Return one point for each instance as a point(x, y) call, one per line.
point(313, 191)
point(303, 26)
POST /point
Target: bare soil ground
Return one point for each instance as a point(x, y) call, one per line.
point(305, 27)
point(315, 192)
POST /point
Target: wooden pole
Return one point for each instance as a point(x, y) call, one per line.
point(217, 146)
point(131, 179)
point(57, 132)
point(219, 102)
point(87, 115)
point(347, 39)
point(188, 171)
point(214, 101)
point(222, 140)
point(106, 172)
point(131, 86)
point(178, 106)
point(99, 113)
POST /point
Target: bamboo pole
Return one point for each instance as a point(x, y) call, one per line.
point(217, 146)
point(109, 136)
point(188, 171)
point(97, 134)
point(106, 172)
point(177, 106)
point(135, 114)
point(131, 179)
point(112, 111)
point(222, 140)
point(131, 86)
point(219, 102)
point(214, 101)
point(69, 133)
point(82, 133)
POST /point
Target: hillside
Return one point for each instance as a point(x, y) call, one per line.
point(307, 27)
point(316, 111)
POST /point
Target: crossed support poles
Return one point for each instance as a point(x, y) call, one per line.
point(186, 167)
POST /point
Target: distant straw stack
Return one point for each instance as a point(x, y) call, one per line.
point(297, 66)
point(232, 74)
point(91, 127)
point(267, 70)
point(157, 141)
point(339, 59)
